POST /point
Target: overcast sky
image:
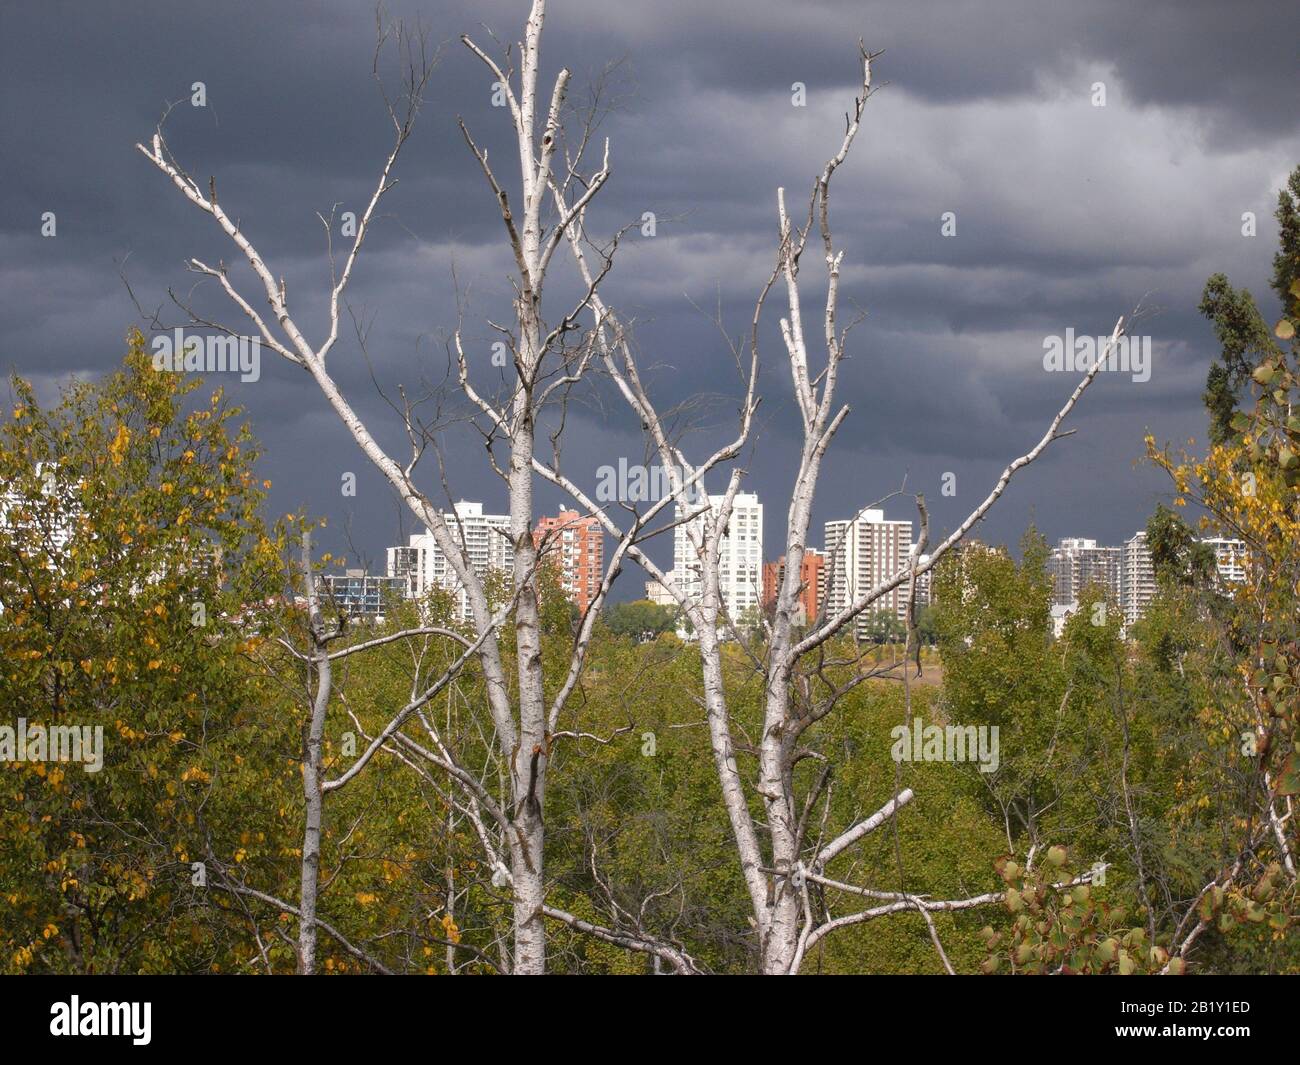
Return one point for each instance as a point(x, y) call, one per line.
point(1067, 215)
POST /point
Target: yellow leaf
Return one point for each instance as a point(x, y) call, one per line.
point(119, 445)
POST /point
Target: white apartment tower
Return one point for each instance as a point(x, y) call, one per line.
point(54, 528)
point(424, 567)
point(740, 564)
point(864, 552)
point(1076, 563)
point(1137, 578)
point(1229, 558)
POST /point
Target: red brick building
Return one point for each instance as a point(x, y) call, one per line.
point(575, 545)
point(812, 577)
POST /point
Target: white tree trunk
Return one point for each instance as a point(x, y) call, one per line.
point(311, 771)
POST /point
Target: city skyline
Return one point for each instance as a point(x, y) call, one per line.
point(856, 553)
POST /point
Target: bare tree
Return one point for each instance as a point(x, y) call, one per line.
point(778, 859)
point(547, 364)
point(321, 691)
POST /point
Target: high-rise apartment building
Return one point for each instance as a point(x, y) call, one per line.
point(812, 580)
point(1137, 578)
point(575, 545)
point(1229, 558)
point(1127, 570)
point(740, 562)
point(924, 583)
point(862, 553)
point(423, 566)
point(1076, 563)
point(360, 594)
point(58, 508)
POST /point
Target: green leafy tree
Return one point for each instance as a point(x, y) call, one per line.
point(1246, 340)
point(639, 619)
point(130, 552)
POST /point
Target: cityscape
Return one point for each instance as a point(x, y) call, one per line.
point(858, 554)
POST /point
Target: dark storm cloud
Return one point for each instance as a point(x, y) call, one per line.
point(1067, 216)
